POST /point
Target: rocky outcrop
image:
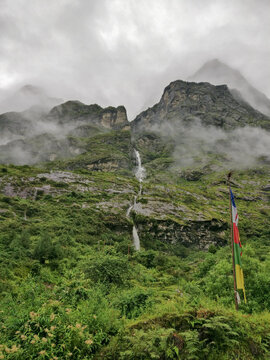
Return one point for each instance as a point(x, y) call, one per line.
point(112, 118)
point(200, 234)
point(187, 101)
point(76, 112)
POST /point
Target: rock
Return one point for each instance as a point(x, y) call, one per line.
point(188, 101)
point(218, 73)
point(77, 112)
point(200, 234)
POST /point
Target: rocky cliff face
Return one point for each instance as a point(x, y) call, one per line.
point(187, 101)
point(218, 73)
point(74, 112)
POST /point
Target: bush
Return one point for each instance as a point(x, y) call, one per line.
point(45, 249)
point(108, 269)
point(133, 302)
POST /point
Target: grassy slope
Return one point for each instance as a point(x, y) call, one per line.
point(67, 276)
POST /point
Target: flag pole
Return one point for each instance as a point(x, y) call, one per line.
point(232, 243)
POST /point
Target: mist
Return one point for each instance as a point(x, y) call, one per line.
point(42, 138)
point(124, 52)
point(197, 144)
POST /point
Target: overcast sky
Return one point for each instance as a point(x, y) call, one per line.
point(114, 52)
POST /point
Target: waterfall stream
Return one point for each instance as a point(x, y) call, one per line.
point(140, 174)
point(136, 239)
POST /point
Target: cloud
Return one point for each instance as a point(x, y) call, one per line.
point(195, 143)
point(116, 52)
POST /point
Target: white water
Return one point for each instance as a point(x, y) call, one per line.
point(140, 174)
point(140, 171)
point(132, 206)
point(136, 239)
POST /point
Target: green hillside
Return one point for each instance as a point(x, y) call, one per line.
point(72, 285)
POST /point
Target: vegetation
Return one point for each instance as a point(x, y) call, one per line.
point(72, 286)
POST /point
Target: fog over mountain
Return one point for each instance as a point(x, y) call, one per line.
point(218, 73)
point(120, 55)
point(115, 52)
point(27, 97)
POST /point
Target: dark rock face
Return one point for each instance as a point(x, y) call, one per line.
point(75, 111)
point(187, 101)
point(200, 234)
point(218, 73)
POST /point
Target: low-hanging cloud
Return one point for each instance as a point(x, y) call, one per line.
point(116, 52)
point(242, 147)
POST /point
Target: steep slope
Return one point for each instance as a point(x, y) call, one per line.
point(72, 284)
point(186, 101)
point(75, 112)
point(218, 73)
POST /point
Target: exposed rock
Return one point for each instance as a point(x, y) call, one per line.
point(77, 112)
point(160, 209)
point(188, 101)
point(63, 176)
point(103, 166)
point(114, 117)
point(200, 234)
point(218, 73)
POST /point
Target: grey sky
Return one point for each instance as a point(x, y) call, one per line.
point(116, 52)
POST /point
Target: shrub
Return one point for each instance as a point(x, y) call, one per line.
point(109, 269)
point(45, 249)
point(133, 302)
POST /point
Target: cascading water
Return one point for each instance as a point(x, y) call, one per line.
point(140, 174)
point(136, 239)
point(140, 171)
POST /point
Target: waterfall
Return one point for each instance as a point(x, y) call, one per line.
point(136, 239)
point(140, 174)
point(140, 171)
point(132, 206)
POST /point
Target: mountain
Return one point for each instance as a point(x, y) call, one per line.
point(218, 73)
point(75, 112)
point(32, 136)
point(187, 101)
point(115, 236)
point(26, 97)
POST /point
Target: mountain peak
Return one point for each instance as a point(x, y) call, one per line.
point(215, 63)
point(185, 102)
point(216, 72)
